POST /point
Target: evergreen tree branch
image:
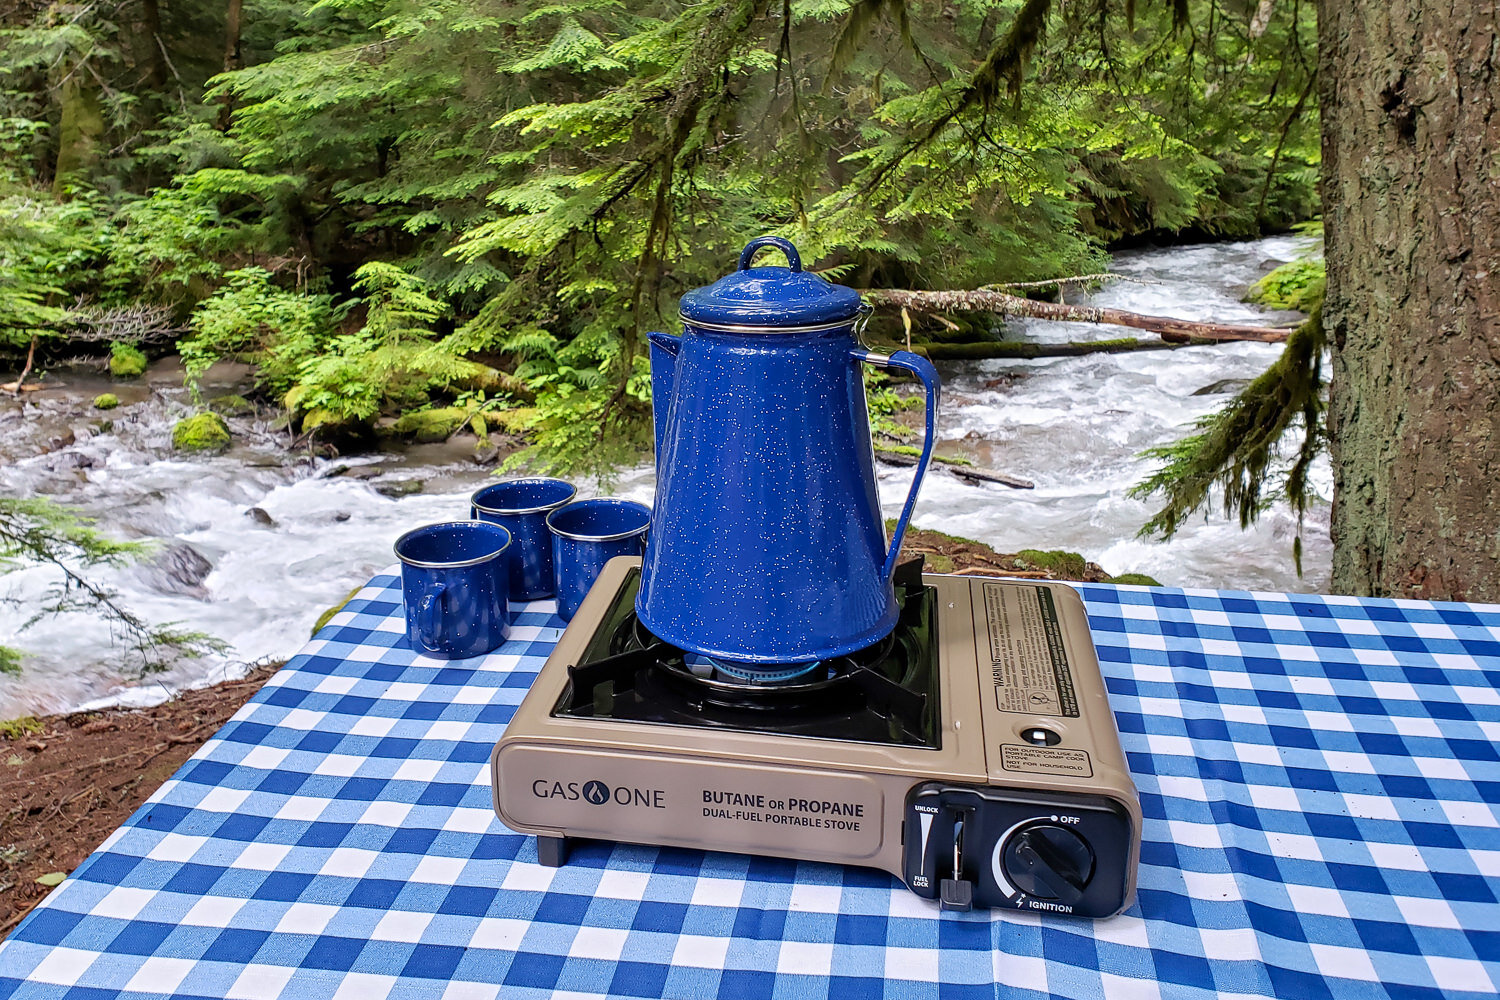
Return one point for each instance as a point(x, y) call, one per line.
point(1234, 448)
point(1002, 67)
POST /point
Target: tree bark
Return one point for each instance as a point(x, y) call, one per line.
point(80, 130)
point(1411, 126)
point(1000, 303)
point(231, 58)
point(155, 56)
point(232, 35)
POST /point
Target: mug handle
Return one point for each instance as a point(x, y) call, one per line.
point(429, 616)
point(922, 369)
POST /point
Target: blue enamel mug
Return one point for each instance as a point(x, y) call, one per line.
point(585, 536)
point(522, 506)
point(455, 582)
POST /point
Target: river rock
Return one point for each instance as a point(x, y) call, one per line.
point(399, 488)
point(232, 406)
point(201, 432)
point(260, 517)
point(1223, 386)
point(177, 569)
point(65, 460)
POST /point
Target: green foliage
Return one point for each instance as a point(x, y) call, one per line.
point(250, 317)
point(396, 357)
point(10, 661)
point(517, 192)
point(1236, 450)
point(126, 361)
point(106, 401)
point(1298, 285)
point(44, 247)
point(201, 432)
point(15, 729)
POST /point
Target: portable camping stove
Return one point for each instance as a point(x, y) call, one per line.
point(972, 752)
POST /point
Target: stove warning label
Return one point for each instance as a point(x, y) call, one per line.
point(1029, 664)
point(1045, 760)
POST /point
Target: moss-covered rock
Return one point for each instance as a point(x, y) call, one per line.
point(327, 616)
point(126, 360)
point(1298, 285)
point(1067, 565)
point(517, 420)
point(232, 406)
point(436, 424)
point(1135, 580)
point(201, 432)
point(936, 562)
point(106, 401)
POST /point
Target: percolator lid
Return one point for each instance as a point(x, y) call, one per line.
point(770, 297)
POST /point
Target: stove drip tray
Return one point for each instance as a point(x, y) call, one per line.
point(886, 693)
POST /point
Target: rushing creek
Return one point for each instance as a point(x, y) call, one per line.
point(254, 544)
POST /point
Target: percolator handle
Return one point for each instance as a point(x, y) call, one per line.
point(922, 369)
point(793, 258)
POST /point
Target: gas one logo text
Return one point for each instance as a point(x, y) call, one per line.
point(598, 793)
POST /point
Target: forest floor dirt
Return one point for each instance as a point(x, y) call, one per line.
point(68, 781)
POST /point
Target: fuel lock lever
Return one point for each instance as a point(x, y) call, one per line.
point(957, 892)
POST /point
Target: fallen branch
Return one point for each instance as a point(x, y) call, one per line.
point(991, 476)
point(136, 324)
point(1168, 328)
point(1027, 349)
point(958, 469)
point(20, 382)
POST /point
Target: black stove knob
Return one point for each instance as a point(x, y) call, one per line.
point(1049, 862)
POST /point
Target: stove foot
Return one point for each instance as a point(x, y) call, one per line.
point(552, 851)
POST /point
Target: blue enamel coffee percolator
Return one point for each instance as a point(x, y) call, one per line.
point(767, 544)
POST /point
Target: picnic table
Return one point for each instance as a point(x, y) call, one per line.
point(1320, 778)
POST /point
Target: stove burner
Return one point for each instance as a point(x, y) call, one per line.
point(750, 673)
point(885, 693)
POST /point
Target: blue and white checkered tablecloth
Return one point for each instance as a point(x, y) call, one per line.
point(1320, 778)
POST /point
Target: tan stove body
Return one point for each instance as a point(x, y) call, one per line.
point(1026, 802)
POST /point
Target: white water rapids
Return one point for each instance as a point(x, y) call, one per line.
point(1074, 426)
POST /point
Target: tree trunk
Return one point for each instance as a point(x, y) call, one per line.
point(231, 58)
point(232, 35)
point(79, 130)
point(155, 56)
point(1411, 123)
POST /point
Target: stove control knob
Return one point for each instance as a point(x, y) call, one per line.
point(1049, 862)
